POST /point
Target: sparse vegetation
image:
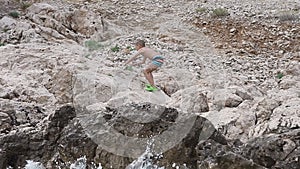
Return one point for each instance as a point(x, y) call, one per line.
point(130, 48)
point(129, 68)
point(220, 12)
point(279, 75)
point(201, 10)
point(87, 55)
point(6, 29)
point(25, 5)
point(115, 48)
point(92, 45)
point(14, 14)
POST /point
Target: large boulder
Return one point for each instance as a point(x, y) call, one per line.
point(54, 22)
point(126, 132)
point(37, 143)
point(192, 99)
point(49, 22)
point(274, 150)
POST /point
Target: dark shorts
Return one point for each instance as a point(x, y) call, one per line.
point(158, 61)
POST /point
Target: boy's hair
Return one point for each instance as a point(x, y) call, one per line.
point(140, 43)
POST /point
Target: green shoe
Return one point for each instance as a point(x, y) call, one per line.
point(154, 88)
point(148, 89)
point(151, 88)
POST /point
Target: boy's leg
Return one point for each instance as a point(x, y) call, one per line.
point(148, 73)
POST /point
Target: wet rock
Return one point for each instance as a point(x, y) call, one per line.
point(197, 129)
point(229, 160)
point(276, 152)
point(247, 88)
point(73, 144)
point(36, 143)
point(5, 123)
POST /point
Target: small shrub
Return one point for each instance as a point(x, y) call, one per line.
point(280, 75)
point(201, 10)
point(220, 12)
point(87, 55)
point(129, 68)
point(92, 45)
point(115, 48)
point(14, 14)
point(25, 5)
point(130, 48)
point(6, 29)
point(2, 44)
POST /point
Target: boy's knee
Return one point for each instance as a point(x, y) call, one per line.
point(146, 71)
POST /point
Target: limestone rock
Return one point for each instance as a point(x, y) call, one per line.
point(240, 72)
point(224, 98)
point(190, 99)
point(278, 151)
point(141, 121)
point(39, 143)
point(5, 122)
point(173, 80)
point(285, 117)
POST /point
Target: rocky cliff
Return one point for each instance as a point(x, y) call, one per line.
point(230, 87)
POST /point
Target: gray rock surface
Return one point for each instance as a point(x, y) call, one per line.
point(239, 69)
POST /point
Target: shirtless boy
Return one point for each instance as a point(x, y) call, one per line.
point(156, 62)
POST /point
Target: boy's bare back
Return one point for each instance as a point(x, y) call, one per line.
point(148, 52)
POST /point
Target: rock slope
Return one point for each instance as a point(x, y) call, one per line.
point(236, 63)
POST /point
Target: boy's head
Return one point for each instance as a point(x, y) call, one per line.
point(139, 44)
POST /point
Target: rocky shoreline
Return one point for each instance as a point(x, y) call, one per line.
point(230, 89)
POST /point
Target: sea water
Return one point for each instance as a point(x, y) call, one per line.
point(80, 163)
point(145, 161)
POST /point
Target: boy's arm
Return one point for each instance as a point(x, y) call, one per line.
point(143, 61)
point(132, 58)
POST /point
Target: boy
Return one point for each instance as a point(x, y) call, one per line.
point(156, 62)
